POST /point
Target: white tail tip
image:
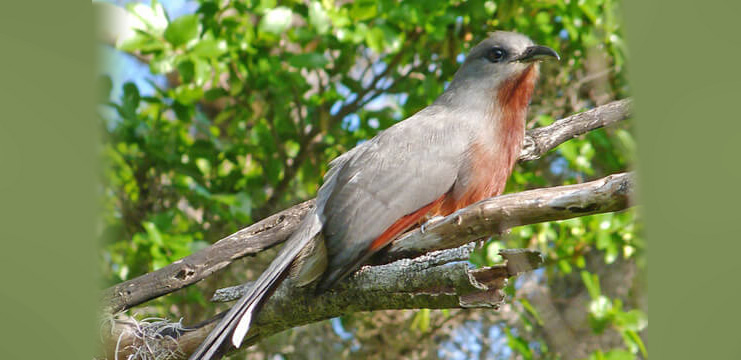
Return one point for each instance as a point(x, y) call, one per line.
point(243, 326)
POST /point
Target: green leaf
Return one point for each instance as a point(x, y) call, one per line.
point(308, 60)
point(186, 69)
point(215, 93)
point(265, 5)
point(182, 30)
point(627, 141)
point(210, 48)
point(531, 309)
point(591, 282)
point(152, 18)
point(544, 22)
point(634, 340)
point(518, 344)
point(139, 41)
point(154, 234)
point(188, 94)
point(203, 72)
point(277, 20)
point(130, 99)
point(492, 252)
point(564, 266)
point(604, 240)
point(195, 71)
point(383, 39)
point(422, 320)
point(363, 10)
point(203, 165)
point(545, 120)
point(318, 17)
point(618, 355)
point(242, 205)
point(226, 199)
point(633, 320)
point(162, 63)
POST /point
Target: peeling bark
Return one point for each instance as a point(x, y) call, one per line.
point(438, 280)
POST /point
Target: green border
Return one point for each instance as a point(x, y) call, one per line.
point(685, 76)
point(47, 157)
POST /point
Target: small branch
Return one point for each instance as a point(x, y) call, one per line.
point(308, 139)
point(270, 119)
point(278, 227)
point(541, 140)
point(289, 172)
point(358, 102)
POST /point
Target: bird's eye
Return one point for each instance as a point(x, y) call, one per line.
point(495, 54)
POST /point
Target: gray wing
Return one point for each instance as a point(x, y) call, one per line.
point(396, 173)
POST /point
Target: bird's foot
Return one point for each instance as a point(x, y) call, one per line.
point(430, 222)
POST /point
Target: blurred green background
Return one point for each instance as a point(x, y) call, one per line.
point(218, 114)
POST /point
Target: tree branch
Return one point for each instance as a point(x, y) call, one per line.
point(278, 227)
point(498, 214)
point(193, 268)
point(438, 280)
point(358, 102)
point(290, 171)
point(539, 141)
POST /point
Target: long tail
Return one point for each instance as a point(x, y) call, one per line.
point(237, 321)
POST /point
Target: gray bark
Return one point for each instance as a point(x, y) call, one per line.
point(438, 280)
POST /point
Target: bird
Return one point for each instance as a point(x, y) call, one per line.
point(459, 150)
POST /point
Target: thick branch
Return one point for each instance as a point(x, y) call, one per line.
point(498, 214)
point(278, 227)
point(190, 269)
point(438, 280)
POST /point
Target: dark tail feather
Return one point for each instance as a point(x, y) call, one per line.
point(236, 322)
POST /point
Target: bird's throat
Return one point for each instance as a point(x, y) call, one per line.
point(513, 95)
point(495, 157)
point(513, 98)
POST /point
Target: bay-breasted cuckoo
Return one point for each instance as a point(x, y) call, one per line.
point(459, 150)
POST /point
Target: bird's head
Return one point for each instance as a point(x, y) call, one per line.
point(501, 57)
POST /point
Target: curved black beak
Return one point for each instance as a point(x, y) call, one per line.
point(537, 53)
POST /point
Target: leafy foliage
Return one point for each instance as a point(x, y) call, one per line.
point(262, 95)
